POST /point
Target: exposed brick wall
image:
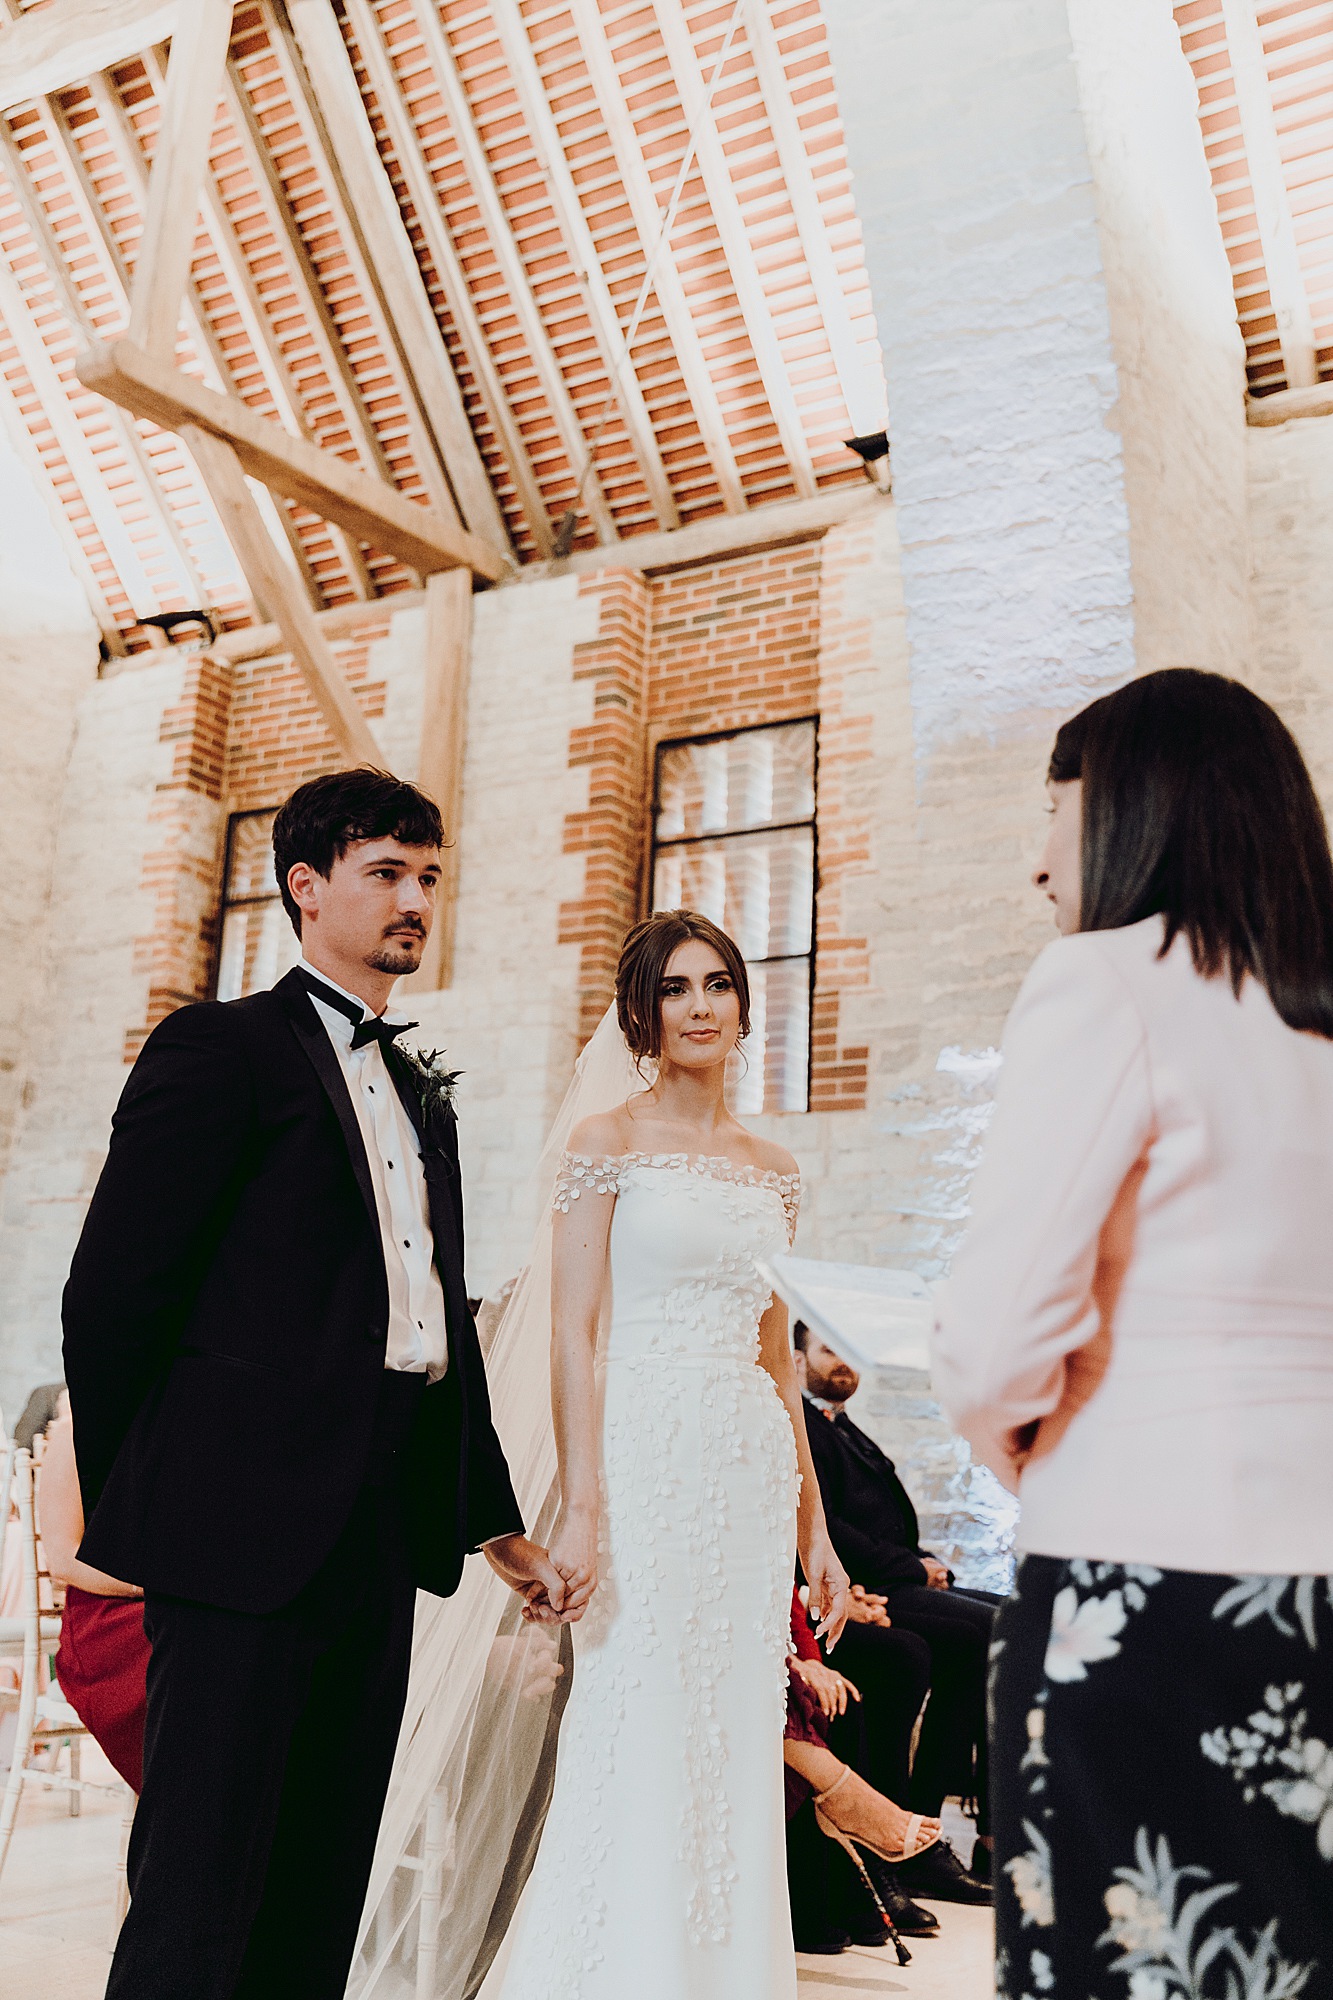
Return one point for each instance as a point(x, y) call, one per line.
point(697, 652)
point(182, 864)
point(242, 738)
point(609, 832)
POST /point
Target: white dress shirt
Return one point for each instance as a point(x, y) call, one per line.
point(418, 1330)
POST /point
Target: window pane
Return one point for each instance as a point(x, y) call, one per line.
point(258, 946)
point(774, 1074)
point(730, 783)
point(759, 887)
point(250, 872)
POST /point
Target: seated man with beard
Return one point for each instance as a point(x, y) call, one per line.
point(873, 1526)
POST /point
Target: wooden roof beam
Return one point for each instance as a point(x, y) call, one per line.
point(369, 509)
point(52, 48)
point(490, 203)
point(669, 16)
point(1272, 202)
point(585, 257)
point(334, 82)
point(449, 270)
point(590, 27)
point(862, 387)
point(180, 164)
point(272, 583)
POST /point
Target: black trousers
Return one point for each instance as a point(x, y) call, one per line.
point(1163, 1783)
point(890, 1667)
point(951, 1753)
point(267, 1751)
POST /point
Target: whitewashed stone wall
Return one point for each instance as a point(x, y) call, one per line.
point(1291, 522)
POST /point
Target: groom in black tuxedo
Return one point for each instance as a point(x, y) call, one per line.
point(281, 1417)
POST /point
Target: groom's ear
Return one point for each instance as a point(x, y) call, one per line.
point(302, 879)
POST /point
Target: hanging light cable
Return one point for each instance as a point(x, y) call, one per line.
point(564, 534)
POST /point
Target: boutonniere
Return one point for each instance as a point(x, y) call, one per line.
point(435, 1085)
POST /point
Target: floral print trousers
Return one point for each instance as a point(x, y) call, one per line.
point(1162, 1784)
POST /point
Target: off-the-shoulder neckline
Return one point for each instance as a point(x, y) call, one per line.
point(765, 1174)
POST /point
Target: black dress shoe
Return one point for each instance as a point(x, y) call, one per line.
point(939, 1874)
point(821, 1943)
point(911, 1919)
point(980, 1862)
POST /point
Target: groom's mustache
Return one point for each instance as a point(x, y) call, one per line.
point(412, 925)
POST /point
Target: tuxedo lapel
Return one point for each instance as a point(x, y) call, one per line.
point(440, 1171)
point(314, 1041)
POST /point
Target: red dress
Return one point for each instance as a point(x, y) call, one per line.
point(805, 1718)
point(102, 1668)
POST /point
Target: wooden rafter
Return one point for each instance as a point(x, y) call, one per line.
point(335, 86)
point(449, 269)
point(637, 181)
point(189, 111)
point(862, 392)
point(1272, 203)
point(587, 263)
point(674, 29)
point(426, 18)
point(272, 580)
point(50, 48)
point(328, 485)
point(70, 303)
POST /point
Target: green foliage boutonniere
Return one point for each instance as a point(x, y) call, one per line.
point(435, 1085)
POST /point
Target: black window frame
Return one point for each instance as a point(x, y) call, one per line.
point(656, 847)
point(228, 903)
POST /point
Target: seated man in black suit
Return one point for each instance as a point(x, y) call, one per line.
point(874, 1528)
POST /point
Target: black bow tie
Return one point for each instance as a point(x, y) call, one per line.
point(364, 1030)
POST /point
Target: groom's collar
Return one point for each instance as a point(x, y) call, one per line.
point(328, 994)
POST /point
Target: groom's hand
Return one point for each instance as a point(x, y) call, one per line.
point(526, 1568)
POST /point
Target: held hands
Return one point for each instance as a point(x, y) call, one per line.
point(527, 1568)
point(830, 1689)
point(830, 1589)
point(574, 1553)
point(937, 1573)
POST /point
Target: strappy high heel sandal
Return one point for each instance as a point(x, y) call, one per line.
point(848, 1845)
point(914, 1845)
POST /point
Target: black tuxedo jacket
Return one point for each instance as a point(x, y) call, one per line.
point(871, 1519)
point(227, 1313)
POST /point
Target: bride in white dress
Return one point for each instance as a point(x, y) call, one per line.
point(686, 1491)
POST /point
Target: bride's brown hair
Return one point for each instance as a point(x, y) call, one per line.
point(644, 957)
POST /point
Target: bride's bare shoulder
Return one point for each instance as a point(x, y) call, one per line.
point(771, 1158)
point(603, 1136)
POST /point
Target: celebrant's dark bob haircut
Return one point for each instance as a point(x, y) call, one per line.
point(323, 818)
point(1197, 806)
point(643, 962)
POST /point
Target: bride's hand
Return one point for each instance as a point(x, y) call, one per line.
point(830, 1589)
point(574, 1553)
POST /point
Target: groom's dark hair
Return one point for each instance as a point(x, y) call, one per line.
point(322, 819)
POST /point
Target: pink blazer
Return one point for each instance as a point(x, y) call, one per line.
point(1138, 1331)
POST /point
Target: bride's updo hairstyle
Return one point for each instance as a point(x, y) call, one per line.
point(644, 957)
point(1197, 806)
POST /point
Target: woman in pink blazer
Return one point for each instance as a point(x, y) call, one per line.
point(1138, 1338)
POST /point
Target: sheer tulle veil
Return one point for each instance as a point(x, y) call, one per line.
point(475, 1760)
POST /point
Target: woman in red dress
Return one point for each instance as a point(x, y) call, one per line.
point(102, 1665)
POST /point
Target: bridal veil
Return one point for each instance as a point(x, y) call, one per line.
point(476, 1755)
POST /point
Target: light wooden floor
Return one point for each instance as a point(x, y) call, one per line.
point(55, 1916)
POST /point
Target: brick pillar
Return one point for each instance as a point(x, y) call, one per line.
point(610, 832)
point(182, 868)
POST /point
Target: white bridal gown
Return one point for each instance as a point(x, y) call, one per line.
point(661, 1873)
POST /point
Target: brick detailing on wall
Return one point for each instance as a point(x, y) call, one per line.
point(698, 652)
point(278, 737)
point(243, 737)
point(735, 643)
point(610, 831)
point(182, 864)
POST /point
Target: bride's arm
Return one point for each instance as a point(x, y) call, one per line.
point(579, 1249)
point(828, 1580)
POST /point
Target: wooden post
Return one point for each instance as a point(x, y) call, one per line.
point(175, 188)
point(443, 743)
point(273, 583)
